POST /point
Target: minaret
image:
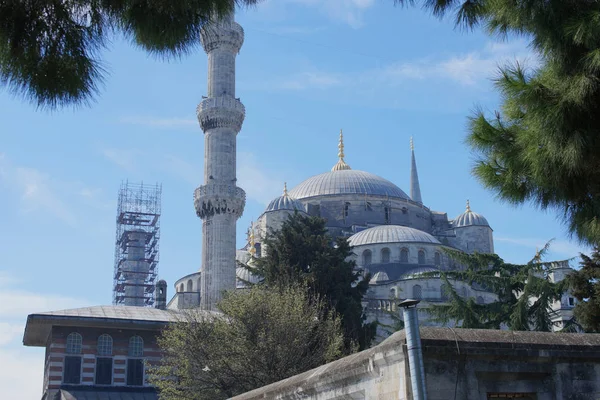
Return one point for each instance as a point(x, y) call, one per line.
point(219, 202)
point(415, 189)
point(341, 164)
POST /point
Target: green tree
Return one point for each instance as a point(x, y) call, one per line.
point(525, 294)
point(50, 49)
point(263, 335)
point(585, 287)
point(303, 252)
point(543, 146)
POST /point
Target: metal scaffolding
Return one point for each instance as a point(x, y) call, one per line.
point(136, 245)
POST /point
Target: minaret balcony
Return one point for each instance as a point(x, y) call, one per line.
point(221, 112)
point(214, 198)
point(223, 35)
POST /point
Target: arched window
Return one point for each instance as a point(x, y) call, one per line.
point(105, 345)
point(393, 293)
point(480, 300)
point(72, 363)
point(257, 247)
point(438, 258)
point(421, 257)
point(346, 209)
point(417, 292)
point(385, 255)
point(136, 346)
point(181, 287)
point(190, 285)
point(444, 292)
point(366, 256)
point(74, 343)
point(198, 282)
point(386, 211)
point(404, 255)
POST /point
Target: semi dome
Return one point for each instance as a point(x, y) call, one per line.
point(347, 182)
point(469, 218)
point(244, 277)
point(285, 202)
point(418, 272)
point(391, 234)
point(379, 277)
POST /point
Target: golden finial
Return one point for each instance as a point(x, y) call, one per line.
point(412, 145)
point(341, 164)
point(252, 243)
point(285, 193)
point(468, 206)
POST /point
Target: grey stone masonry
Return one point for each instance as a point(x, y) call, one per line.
point(219, 202)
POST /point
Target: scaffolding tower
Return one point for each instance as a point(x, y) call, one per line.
point(136, 245)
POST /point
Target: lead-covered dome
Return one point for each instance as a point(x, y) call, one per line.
point(391, 234)
point(469, 218)
point(347, 182)
point(284, 202)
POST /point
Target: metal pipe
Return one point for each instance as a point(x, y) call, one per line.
point(413, 344)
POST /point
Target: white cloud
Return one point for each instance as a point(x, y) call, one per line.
point(36, 190)
point(562, 248)
point(21, 373)
point(350, 12)
point(260, 185)
point(10, 331)
point(165, 123)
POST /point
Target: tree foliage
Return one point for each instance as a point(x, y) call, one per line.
point(525, 294)
point(585, 287)
point(50, 49)
point(264, 335)
point(543, 145)
point(303, 252)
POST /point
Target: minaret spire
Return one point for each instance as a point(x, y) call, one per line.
point(285, 192)
point(468, 209)
point(341, 164)
point(415, 189)
point(219, 202)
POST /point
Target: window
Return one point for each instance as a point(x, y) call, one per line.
point(257, 248)
point(190, 285)
point(72, 370)
point(74, 341)
point(198, 282)
point(404, 255)
point(181, 288)
point(105, 344)
point(421, 257)
point(366, 256)
point(438, 258)
point(417, 292)
point(135, 372)
point(104, 368)
point(385, 255)
point(346, 209)
point(571, 301)
point(368, 206)
point(386, 212)
point(136, 346)
point(393, 293)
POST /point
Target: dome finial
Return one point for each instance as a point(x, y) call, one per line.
point(341, 164)
point(251, 241)
point(468, 206)
point(285, 192)
point(412, 145)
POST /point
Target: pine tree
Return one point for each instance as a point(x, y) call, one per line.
point(50, 49)
point(302, 252)
point(585, 287)
point(525, 294)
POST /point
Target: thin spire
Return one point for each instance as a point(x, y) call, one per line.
point(252, 243)
point(468, 206)
point(341, 164)
point(285, 192)
point(415, 188)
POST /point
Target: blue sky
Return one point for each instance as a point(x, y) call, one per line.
point(307, 69)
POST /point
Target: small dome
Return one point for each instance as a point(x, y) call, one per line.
point(391, 234)
point(417, 272)
point(285, 202)
point(469, 218)
point(379, 277)
point(244, 276)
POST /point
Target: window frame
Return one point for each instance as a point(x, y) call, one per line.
point(111, 371)
point(66, 360)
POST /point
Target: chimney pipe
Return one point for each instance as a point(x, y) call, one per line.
point(413, 344)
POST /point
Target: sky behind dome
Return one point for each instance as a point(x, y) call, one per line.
point(307, 69)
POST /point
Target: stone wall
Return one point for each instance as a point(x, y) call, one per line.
point(466, 364)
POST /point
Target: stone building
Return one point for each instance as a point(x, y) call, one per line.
point(465, 364)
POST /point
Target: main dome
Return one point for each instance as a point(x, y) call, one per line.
point(391, 234)
point(347, 182)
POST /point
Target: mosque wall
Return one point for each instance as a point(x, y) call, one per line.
point(405, 253)
point(473, 238)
